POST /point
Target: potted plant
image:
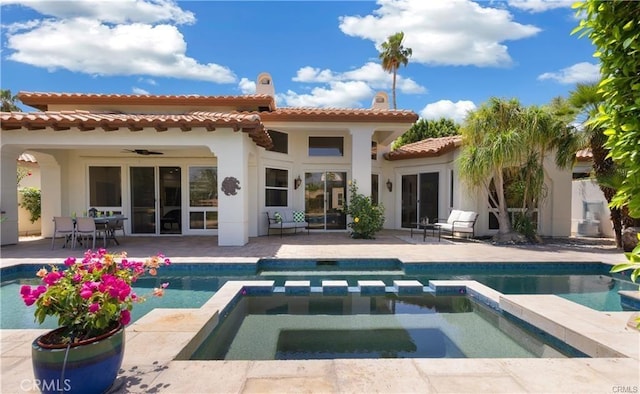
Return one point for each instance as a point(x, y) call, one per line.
point(92, 300)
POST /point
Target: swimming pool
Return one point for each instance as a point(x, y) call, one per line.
point(191, 285)
point(354, 326)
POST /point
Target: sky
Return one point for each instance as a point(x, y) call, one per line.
point(319, 53)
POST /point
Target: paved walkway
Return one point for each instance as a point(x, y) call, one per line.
point(150, 367)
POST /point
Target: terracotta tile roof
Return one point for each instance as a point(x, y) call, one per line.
point(89, 120)
point(430, 147)
point(584, 155)
point(42, 100)
point(339, 115)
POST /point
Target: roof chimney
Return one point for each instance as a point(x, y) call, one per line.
point(380, 101)
point(264, 85)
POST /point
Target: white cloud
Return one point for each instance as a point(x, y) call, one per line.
point(94, 37)
point(540, 5)
point(119, 11)
point(337, 95)
point(89, 46)
point(448, 109)
point(137, 90)
point(148, 81)
point(452, 32)
point(578, 73)
point(347, 89)
point(247, 86)
point(371, 73)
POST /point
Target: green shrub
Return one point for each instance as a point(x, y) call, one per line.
point(367, 219)
point(31, 202)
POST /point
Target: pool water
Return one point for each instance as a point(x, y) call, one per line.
point(284, 327)
point(191, 287)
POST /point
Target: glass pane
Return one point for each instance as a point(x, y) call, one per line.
point(276, 198)
point(170, 200)
point(105, 189)
point(336, 183)
point(314, 199)
point(429, 183)
point(374, 150)
point(276, 178)
point(409, 200)
point(280, 141)
point(203, 186)
point(375, 189)
point(143, 200)
point(326, 146)
point(212, 220)
point(196, 220)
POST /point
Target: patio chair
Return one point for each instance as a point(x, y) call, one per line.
point(85, 227)
point(63, 225)
point(116, 224)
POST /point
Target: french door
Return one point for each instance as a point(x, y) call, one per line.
point(419, 198)
point(324, 200)
point(156, 200)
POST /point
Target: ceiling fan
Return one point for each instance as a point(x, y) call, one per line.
point(144, 152)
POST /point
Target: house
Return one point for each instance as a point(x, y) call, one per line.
point(590, 214)
point(212, 165)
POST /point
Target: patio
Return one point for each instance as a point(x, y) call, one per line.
point(153, 369)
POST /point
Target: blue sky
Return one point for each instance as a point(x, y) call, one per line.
point(319, 53)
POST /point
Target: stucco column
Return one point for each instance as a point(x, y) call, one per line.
point(50, 192)
point(232, 150)
point(9, 194)
point(361, 158)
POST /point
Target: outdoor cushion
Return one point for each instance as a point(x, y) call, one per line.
point(453, 216)
point(298, 216)
point(277, 217)
point(467, 218)
point(287, 215)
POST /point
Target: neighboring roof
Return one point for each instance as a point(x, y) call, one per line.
point(87, 120)
point(584, 155)
point(430, 147)
point(42, 100)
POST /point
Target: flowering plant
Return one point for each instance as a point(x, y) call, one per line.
point(368, 218)
point(90, 297)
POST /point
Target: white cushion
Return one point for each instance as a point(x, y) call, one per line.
point(467, 217)
point(454, 215)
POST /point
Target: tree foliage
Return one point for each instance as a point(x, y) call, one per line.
point(367, 218)
point(425, 128)
point(393, 55)
point(504, 147)
point(612, 27)
point(8, 101)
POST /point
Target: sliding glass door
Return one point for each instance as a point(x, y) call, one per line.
point(325, 194)
point(151, 205)
point(419, 198)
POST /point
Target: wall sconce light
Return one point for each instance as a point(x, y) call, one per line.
point(389, 185)
point(297, 182)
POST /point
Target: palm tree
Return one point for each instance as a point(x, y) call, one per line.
point(8, 101)
point(504, 148)
point(492, 142)
point(393, 55)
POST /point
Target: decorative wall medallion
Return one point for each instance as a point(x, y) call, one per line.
point(230, 186)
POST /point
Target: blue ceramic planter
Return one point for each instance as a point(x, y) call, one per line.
point(91, 366)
